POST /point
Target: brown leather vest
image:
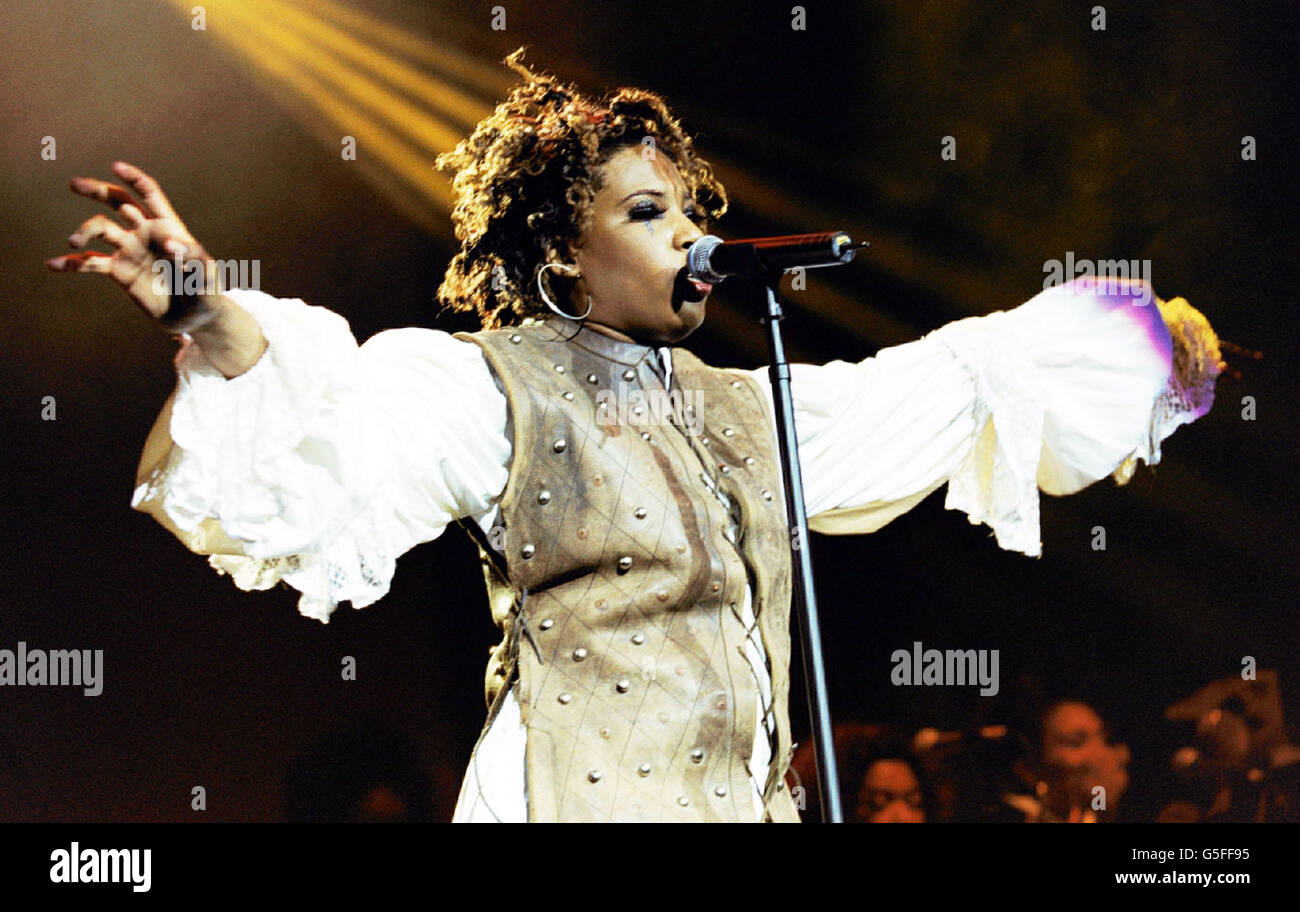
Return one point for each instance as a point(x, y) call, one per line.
point(618, 593)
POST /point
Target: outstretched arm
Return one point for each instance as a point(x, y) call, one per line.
point(287, 451)
point(327, 460)
point(1072, 386)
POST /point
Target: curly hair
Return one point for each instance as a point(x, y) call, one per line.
point(525, 180)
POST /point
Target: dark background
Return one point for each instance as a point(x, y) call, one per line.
point(1117, 143)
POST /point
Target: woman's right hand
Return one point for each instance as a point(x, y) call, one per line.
point(153, 232)
point(229, 336)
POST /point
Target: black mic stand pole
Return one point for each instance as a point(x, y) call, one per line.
point(805, 599)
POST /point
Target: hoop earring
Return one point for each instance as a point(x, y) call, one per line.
point(551, 304)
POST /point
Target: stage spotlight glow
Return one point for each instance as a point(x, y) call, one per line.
point(403, 98)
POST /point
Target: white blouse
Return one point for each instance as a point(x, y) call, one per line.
point(327, 460)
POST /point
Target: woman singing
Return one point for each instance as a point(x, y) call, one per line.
point(626, 497)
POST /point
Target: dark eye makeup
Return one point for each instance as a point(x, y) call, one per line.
point(646, 210)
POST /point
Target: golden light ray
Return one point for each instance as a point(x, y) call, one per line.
point(489, 80)
point(418, 126)
point(337, 86)
point(463, 109)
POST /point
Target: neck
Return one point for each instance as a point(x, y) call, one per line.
point(611, 332)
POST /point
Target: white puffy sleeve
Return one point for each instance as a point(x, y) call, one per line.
point(1074, 385)
point(325, 461)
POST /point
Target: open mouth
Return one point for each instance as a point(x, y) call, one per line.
point(686, 289)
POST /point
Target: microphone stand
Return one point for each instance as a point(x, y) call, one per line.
point(805, 599)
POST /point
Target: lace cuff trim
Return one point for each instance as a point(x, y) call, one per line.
point(348, 572)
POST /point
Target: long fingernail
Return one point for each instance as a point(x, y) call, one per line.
point(74, 240)
point(54, 262)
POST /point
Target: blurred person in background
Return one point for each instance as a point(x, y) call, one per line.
point(881, 780)
point(1073, 772)
point(1242, 765)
